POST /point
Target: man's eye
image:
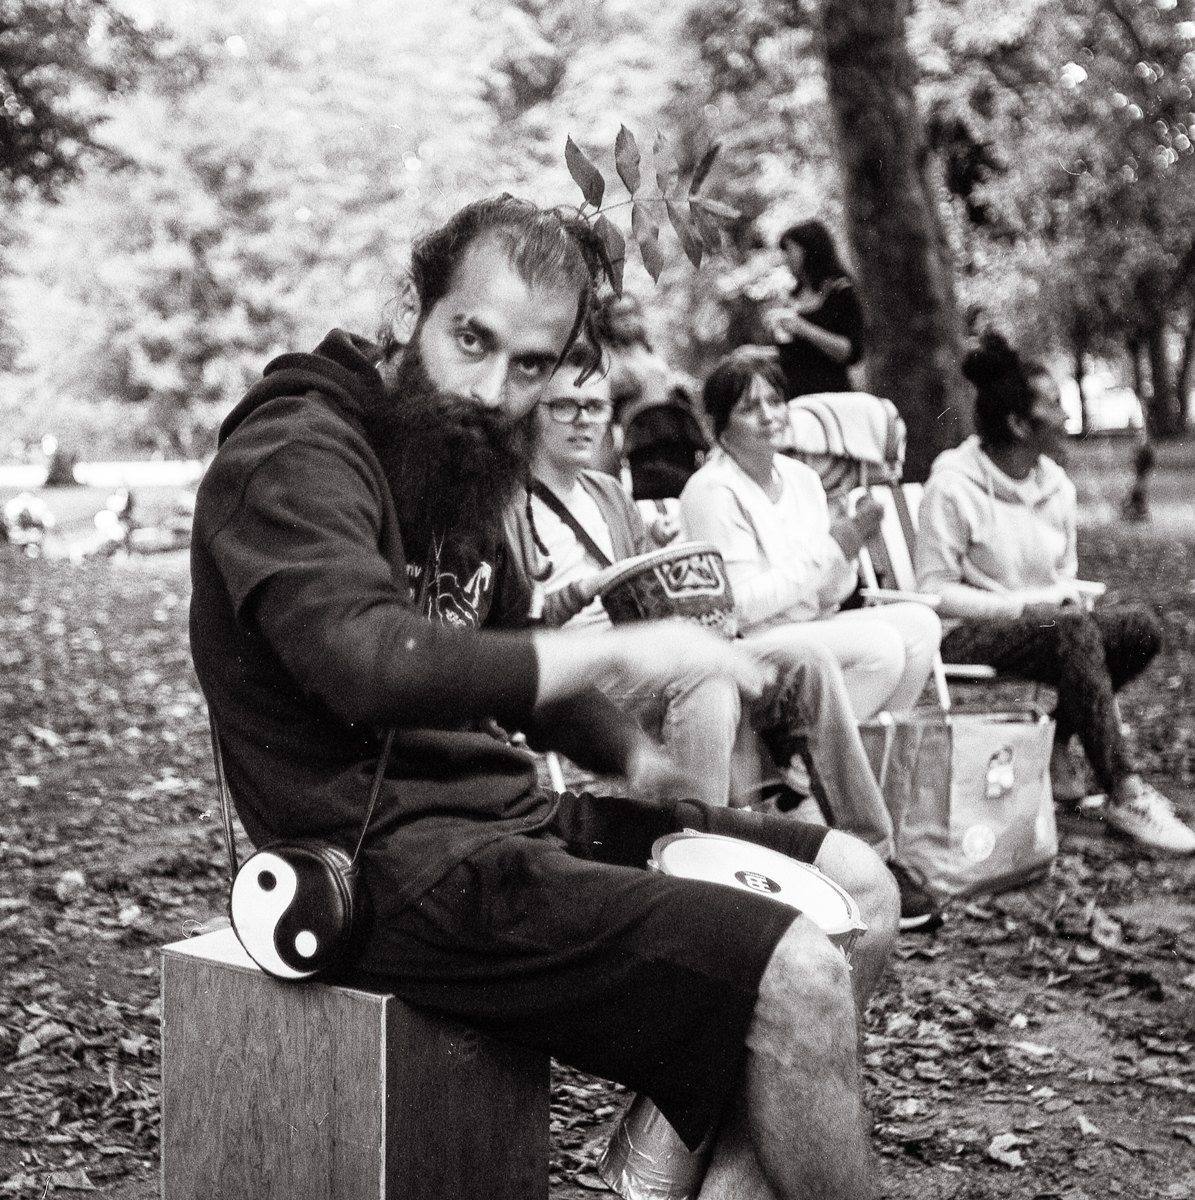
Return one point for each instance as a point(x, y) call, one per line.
point(533, 370)
point(468, 341)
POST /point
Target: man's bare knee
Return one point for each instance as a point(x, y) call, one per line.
point(856, 868)
point(804, 996)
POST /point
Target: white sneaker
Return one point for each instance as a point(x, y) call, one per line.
point(1148, 817)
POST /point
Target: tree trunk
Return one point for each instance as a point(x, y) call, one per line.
point(1186, 366)
point(1166, 417)
point(914, 334)
point(1134, 348)
point(1081, 374)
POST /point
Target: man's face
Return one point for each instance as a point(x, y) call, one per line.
point(493, 337)
point(572, 419)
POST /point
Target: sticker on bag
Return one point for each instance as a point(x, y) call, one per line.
point(978, 843)
point(1001, 776)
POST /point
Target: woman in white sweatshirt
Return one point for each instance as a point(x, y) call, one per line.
point(790, 566)
point(997, 543)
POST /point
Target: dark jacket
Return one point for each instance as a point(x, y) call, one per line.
point(308, 645)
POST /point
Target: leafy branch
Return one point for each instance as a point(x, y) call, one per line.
point(696, 219)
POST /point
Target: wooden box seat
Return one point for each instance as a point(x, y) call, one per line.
point(313, 1091)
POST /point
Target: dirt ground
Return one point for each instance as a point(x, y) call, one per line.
point(1038, 1047)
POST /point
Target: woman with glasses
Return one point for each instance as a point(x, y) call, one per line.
point(997, 543)
point(575, 523)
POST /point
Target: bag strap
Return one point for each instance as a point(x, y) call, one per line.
point(558, 506)
point(225, 804)
point(375, 787)
point(226, 799)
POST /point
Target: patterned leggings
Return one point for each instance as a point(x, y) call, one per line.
point(1088, 657)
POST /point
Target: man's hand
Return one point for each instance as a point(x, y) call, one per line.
point(652, 775)
point(852, 533)
point(651, 652)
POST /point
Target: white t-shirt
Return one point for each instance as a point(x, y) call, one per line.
point(570, 560)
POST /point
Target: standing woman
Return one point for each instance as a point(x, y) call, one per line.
point(820, 333)
point(997, 543)
point(790, 565)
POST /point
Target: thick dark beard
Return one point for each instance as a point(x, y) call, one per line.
point(453, 466)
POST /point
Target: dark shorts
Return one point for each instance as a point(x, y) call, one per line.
point(566, 943)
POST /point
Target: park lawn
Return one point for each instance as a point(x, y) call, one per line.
point(1049, 1028)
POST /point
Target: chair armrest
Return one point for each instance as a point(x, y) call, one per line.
point(969, 671)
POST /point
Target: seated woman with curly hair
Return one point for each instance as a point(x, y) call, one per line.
point(997, 543)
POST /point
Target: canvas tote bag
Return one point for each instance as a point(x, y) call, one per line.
point(969, 795)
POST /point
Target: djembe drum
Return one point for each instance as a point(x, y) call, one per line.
point(686, 580)
point(645, 1158)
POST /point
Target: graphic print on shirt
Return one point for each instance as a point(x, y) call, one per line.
point(445, 598)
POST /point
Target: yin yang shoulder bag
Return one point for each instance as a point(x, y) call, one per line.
point(298, 907)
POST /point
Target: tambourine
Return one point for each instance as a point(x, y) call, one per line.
point(716, 858)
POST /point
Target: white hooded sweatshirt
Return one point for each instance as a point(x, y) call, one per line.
point(988, 542)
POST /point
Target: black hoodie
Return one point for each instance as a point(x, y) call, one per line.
point(307, 644)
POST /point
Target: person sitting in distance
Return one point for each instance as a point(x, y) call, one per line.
point(997, 543)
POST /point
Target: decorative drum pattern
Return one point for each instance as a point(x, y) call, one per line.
point(688, 580)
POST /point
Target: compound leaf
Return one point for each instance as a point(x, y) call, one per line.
point(585, 175)
point(647, 236)
point(690, 239)
point(615, 247)
point(626, 158)
point(715, 208)
point(711, 231)
point(703, 168)
point(667, 172)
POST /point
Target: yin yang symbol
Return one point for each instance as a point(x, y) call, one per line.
point(262, 893)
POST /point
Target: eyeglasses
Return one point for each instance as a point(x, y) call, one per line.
point(567, 411)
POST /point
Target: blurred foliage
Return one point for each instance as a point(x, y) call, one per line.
point(61, 63)
point(1064, 130)
point(276, 175)
point(265, 181)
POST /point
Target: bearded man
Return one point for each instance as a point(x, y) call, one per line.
point(350, 576)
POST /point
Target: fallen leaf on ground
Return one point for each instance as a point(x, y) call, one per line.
point(1002, 1148)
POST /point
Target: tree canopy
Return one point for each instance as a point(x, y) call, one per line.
point(265, 179)
point(61, 63)
point(1065, 132)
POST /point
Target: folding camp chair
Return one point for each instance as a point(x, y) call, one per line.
point(898, 536)
point(851, 439)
